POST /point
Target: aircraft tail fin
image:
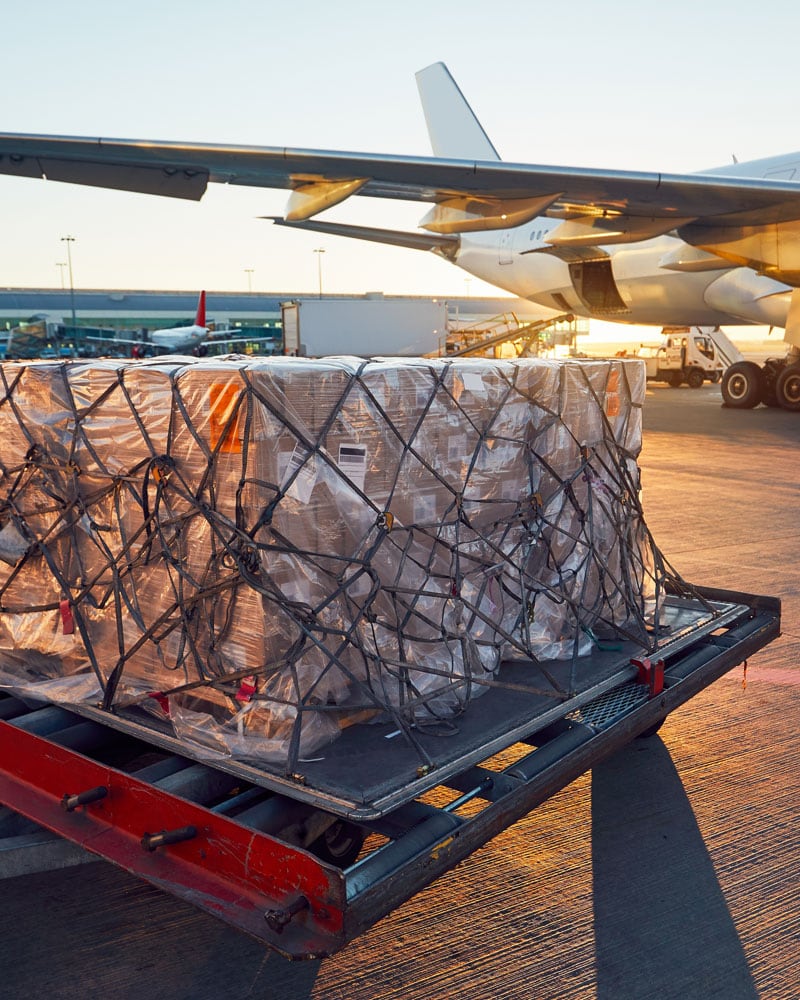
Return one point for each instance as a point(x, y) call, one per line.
point(200, 318)
point(454, 130)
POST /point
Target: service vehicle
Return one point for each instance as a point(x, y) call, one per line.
point(687, 355)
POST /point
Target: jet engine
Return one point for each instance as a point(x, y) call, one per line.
point(753, 297)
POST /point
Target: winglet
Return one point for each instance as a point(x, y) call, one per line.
point(454, 130)
point(200, 318)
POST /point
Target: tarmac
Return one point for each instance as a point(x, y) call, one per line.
point(668, 872)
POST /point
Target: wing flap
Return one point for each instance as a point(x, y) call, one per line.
point(166, 181)
point(20, 166)
point(170, 181)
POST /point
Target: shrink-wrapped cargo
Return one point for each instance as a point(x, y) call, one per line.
point(271, 550)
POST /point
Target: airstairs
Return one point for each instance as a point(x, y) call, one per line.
point(506, 335)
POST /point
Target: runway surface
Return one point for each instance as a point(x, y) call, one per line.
point(669, 872)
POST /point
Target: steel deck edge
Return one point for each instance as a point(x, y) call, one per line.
point(398, 885)
point(734, 606)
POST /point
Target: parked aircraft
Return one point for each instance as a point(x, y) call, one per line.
point(184, 338)
point(179, 339)
point(717, 247)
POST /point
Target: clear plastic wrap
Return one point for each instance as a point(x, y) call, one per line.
point(279, 548)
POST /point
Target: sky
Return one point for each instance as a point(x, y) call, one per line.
point(631, 84)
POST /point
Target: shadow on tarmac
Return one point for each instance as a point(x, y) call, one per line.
point(662, 925)
point(95, 931)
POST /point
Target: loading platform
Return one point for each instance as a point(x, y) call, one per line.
point(307, 862)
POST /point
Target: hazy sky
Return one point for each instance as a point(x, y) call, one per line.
point(675, 86)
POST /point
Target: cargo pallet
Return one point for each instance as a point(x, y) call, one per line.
point(305, 862)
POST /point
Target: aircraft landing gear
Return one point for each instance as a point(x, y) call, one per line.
point(742, 385)
point(787, 388)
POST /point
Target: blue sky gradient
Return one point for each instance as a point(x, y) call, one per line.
point(640, 85)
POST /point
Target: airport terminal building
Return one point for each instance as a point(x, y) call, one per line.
point(124, 309)
point(63, 321)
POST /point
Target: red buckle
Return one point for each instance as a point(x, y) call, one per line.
point(651, 674)
point(246, 689)
point(67, 621)
point(162, 700)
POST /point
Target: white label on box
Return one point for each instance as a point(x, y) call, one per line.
point(353, 463)
point(303, 484)
point(473, 381)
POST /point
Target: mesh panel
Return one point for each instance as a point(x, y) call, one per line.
point(602, 711)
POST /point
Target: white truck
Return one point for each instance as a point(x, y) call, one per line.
point(365, 326)
point(693, 355)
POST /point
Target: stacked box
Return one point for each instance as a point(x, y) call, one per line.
point(285, 546)
point(587, 564)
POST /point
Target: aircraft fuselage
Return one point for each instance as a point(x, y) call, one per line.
point(623, 283)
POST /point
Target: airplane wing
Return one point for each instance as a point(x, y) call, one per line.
point(183, 170)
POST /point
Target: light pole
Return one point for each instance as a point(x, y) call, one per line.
point(319, 252)
point(61, 264)
point(249, 272)
point(69, 240)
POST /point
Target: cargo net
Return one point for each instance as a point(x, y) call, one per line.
point(261, 554)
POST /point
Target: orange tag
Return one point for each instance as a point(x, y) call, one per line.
point(613, 381)
point(223, 431)
point(612, 405)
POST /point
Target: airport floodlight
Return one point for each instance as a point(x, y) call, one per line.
point(69, 240)
point(319, 252)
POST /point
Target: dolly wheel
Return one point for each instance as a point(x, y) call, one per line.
point(340, 845)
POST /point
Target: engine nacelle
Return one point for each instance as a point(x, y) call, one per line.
point(750, 296)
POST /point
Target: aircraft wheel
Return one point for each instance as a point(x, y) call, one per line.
point(741, 385)
point(340, 845)
point(770, 371)
point(787, 388)
point(769, 394)
point(695, 378)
